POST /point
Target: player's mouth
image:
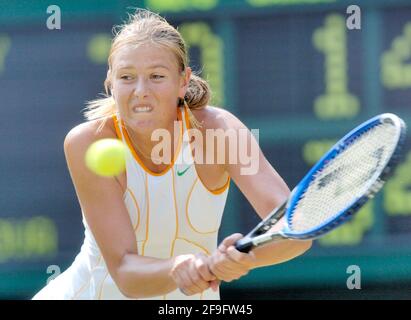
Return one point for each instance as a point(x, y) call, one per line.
point(143, 108)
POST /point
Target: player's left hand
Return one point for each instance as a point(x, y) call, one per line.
point(227, 263)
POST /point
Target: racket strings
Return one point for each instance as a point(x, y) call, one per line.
point(345, 178)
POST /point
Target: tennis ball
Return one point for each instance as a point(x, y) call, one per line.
point(106, 157)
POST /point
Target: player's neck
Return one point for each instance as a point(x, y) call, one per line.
point(165, 139)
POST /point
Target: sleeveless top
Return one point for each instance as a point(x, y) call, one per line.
point(172, 213)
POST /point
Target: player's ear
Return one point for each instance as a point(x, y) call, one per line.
point(186, 75)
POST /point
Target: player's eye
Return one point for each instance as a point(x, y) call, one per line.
point(157, 76)
point(126, 77)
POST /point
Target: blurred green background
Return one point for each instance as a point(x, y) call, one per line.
point(290, 68)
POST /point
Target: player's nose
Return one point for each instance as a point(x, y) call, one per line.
point(140, 88)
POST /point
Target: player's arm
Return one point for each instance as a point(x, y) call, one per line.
point(101, 200)
point(265, 190)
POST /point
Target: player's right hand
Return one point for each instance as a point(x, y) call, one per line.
point(227, 263)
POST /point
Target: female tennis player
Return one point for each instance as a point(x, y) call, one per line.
point(151, 233)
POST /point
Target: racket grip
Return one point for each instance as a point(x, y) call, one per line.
point(244, 245)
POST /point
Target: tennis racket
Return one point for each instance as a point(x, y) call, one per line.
point(337, 186)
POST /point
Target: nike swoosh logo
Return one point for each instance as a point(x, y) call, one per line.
point(180, 173)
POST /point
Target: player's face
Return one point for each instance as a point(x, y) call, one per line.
point(146, 84)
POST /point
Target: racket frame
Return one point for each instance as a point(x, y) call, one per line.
point(260, 235)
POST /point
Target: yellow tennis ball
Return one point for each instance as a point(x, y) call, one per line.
point(106, 157)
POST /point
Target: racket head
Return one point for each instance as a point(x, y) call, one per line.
point(387, 154)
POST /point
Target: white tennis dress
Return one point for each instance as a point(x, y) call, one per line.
point(172, 213)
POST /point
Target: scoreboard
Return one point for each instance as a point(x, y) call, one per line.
point(289, 68)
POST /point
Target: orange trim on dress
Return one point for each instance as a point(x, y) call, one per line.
point(221, 189)
point(137, 206)
point(87, 282)
point(196, 244)
point(116, 127)
point(101, 286)
point(187, 215)
point(137, 158)
point(218, 190)
point(176, 211)
point(147, 216)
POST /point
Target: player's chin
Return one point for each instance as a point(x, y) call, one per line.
point(143, 123)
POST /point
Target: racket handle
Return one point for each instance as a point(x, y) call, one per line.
point(244, 245)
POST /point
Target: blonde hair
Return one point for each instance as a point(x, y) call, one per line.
point(147, 27)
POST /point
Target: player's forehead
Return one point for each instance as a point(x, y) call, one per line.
point(142, 57)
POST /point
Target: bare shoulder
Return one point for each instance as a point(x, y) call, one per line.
point(87, 132)
point(76, 143)
point(217, 118)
